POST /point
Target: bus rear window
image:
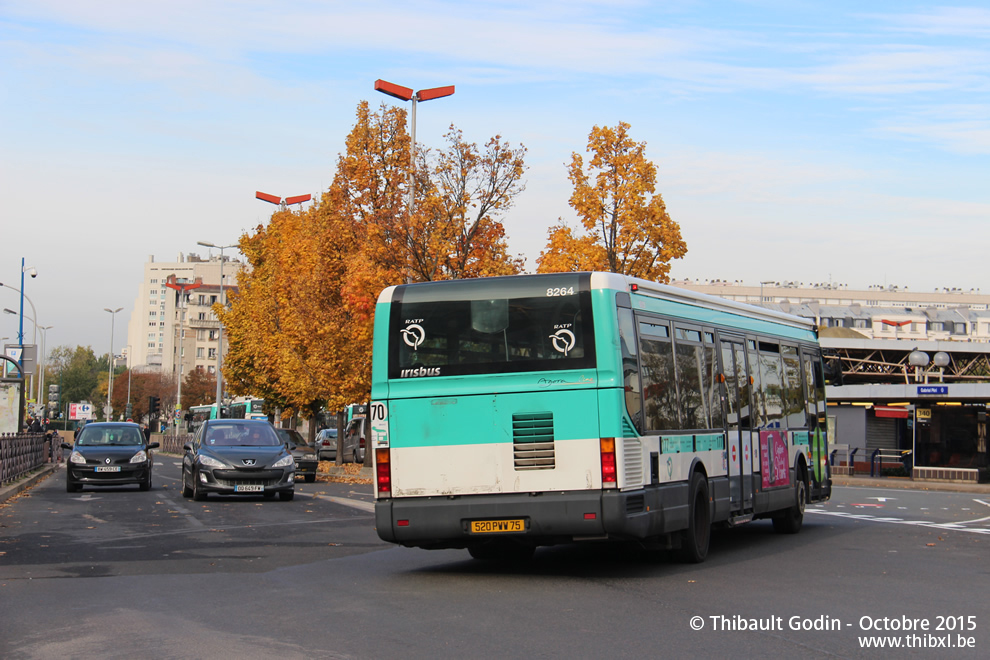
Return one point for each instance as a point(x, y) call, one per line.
point(490, 326)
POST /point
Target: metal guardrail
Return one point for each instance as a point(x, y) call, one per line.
point(21, 453)
point(880, 455)
point(171, 444)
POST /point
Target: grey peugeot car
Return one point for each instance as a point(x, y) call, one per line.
point(237, 457)
point(109, 454)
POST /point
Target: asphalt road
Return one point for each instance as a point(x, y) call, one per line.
point(121, 573)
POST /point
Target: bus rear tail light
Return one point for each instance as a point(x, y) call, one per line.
point(383, 473)
point(609, 477)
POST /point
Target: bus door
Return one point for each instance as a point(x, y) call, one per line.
point(817, 419)
point(737, 389)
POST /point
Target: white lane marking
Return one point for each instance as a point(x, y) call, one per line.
point(957, 527)
point(357, 504)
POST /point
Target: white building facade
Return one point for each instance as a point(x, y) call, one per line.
point(153, 332)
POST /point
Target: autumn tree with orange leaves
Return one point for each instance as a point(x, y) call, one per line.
point(300, 326)
point(628, 228)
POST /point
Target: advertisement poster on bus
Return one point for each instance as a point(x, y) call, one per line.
point(773, 459)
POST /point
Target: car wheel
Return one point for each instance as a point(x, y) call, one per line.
point(71, 486)
point(310, 478)
point(146, 484)
point(197, 493)
point(186, 490)
point(287, 495)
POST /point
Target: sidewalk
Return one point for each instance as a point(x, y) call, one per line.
point(909, 484)
point(25, 482)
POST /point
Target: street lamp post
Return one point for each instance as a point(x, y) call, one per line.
point(183, 288)
point(113, 318)
point(406, 94)
point(42, 362)
point(220, 326)
point(34, 324)
point(128, 407)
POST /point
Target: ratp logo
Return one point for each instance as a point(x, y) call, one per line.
point(413, 334)
point(563, 341)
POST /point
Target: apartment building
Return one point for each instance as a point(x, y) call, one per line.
point(877, 312)
point(153, 332)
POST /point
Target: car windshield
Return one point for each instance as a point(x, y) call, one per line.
point(328, 433)
point(233, 434)
point(108, 435)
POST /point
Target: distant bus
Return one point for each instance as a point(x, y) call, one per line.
point(246, 408)
point(199, 414)
point(513, 412)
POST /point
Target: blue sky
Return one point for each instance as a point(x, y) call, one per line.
point(808, 141)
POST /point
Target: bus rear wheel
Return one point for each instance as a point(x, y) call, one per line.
point(789, 521)
point(696, 538)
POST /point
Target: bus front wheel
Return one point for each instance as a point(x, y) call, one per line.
point(696, 538)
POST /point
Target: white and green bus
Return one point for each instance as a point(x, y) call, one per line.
point(513, 412)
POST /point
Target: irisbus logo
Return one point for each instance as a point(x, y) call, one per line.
point(419, 372)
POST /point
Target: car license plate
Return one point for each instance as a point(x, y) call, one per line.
point(248, 488)
point(108, 468)
point(497, 526)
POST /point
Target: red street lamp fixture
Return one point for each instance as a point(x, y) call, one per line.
point(288, 201)
point(406, 94)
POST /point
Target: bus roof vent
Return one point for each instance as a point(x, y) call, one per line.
point(532, 441)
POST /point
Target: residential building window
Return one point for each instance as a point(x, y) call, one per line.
point(199, 352)
point(213, 354)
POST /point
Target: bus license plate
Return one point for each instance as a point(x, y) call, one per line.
point(108, 468)
point(249, 488)
point(497, 526)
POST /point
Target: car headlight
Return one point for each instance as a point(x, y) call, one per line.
point(140, 457)
point(210, 462)
point(76, 457)
point(285, 461)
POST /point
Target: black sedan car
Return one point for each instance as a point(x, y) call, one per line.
point(109, 454)
point(237, 457)
point(303, 453)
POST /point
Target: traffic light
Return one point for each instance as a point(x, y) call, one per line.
point(53, 396)
point(129, 414)
point(154, 405)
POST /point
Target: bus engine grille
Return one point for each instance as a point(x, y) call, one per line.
point(532, 441)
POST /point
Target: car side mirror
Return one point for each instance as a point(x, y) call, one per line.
point(187, 446)
point(66, 445)
point(154, 445)
point(290, 446)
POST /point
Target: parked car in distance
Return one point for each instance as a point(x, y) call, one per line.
point(237, 457)
point(109, 454)
point(353, 446)
point(303, 453)
point(326, 445)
